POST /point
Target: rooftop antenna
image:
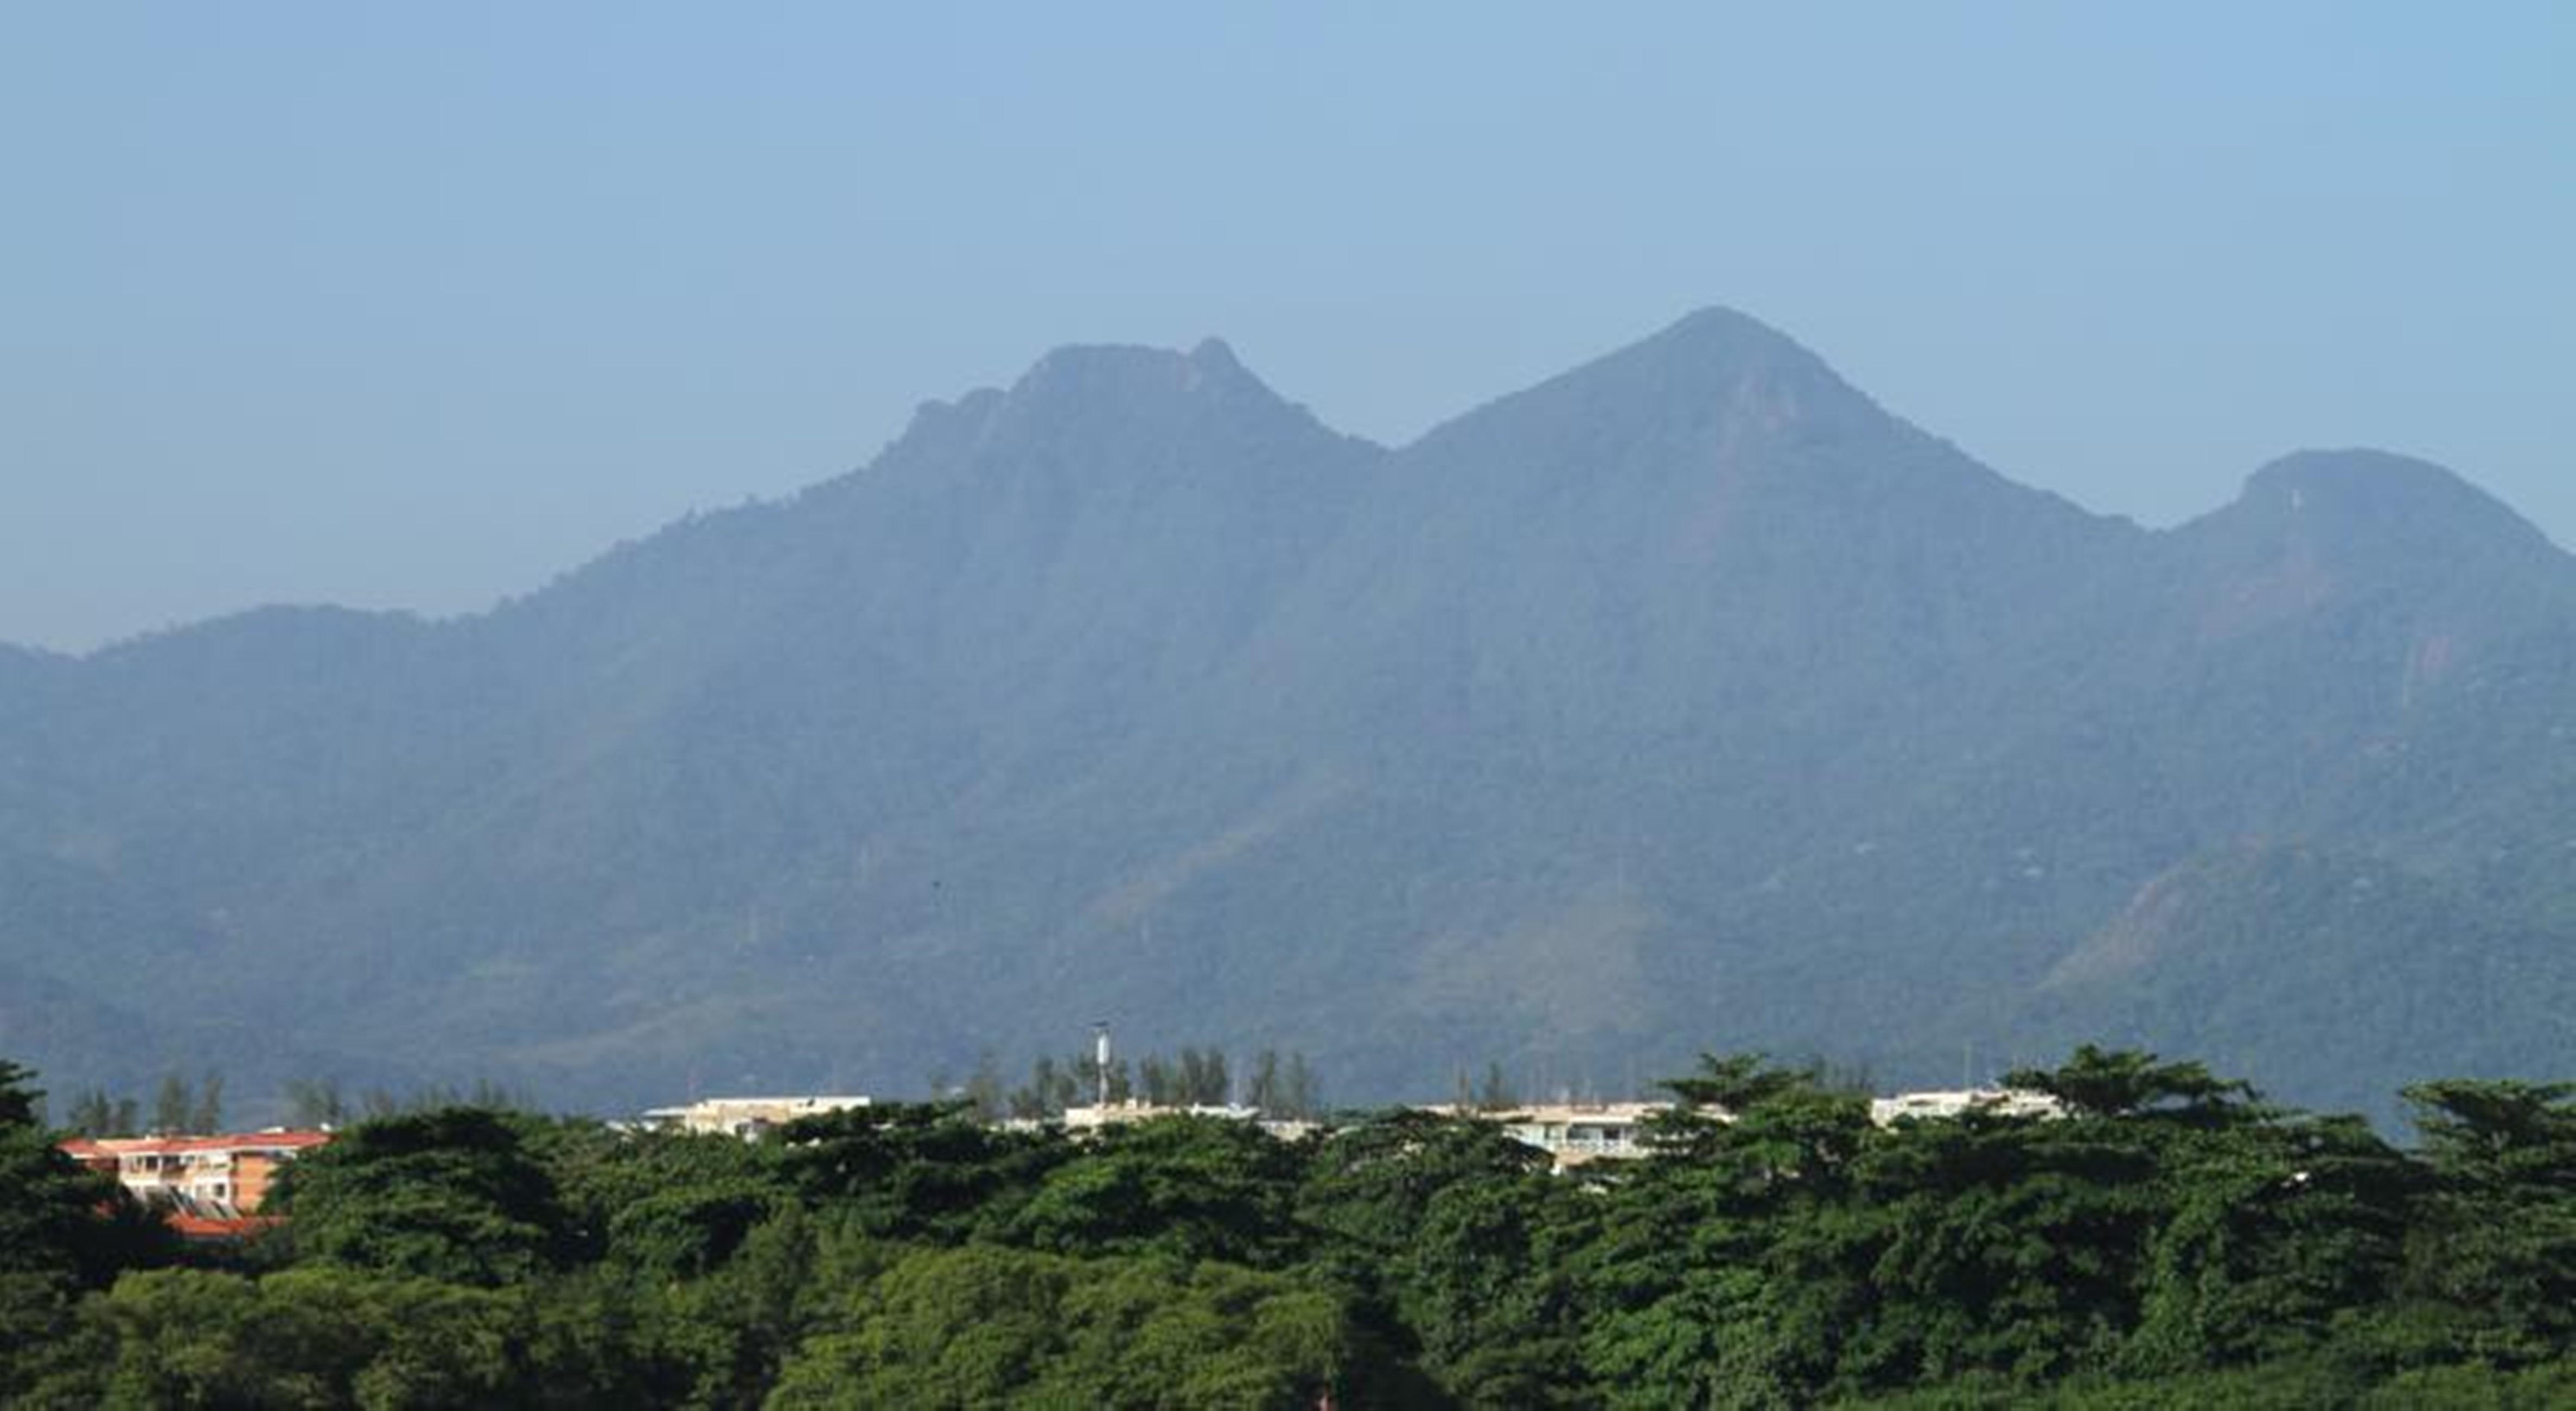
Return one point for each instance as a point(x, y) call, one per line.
point(1100, 1059)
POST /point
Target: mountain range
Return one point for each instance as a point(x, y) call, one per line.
point(1688, 700)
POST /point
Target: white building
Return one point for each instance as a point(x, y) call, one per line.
point(1574, 1133)
point(744, 1117)
point(1117, 1114)
point(2002, 1102)
point(1571, 1132)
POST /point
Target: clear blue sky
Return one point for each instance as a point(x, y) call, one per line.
point(418, 306)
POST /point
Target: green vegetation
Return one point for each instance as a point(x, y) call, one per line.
point(2170, 1241)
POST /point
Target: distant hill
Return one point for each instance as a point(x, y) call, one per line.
point(1686, 700)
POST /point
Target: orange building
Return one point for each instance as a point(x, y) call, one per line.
point(203, 1179)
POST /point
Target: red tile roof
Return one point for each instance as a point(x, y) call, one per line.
point(175, 1144)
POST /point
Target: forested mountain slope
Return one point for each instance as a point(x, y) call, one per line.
point(1688, 699)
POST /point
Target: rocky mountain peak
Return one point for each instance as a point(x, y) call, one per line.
point(1714, 385)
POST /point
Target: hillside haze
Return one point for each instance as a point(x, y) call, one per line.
point(1686, 700)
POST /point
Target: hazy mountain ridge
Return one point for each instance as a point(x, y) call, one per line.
point(2239, 954)
point(1686, 699)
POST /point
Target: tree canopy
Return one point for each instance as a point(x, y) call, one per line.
point(2159, 1238)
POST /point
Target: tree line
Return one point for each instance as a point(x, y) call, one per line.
point(1275, 1087)
point(2167, 1239)
point(196, 1106)
point(179, 1104)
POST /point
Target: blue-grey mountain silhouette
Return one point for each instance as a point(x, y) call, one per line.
point(1686, 700)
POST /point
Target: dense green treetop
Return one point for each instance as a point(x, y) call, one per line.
point(2161, 1240)
point(452, 1194)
